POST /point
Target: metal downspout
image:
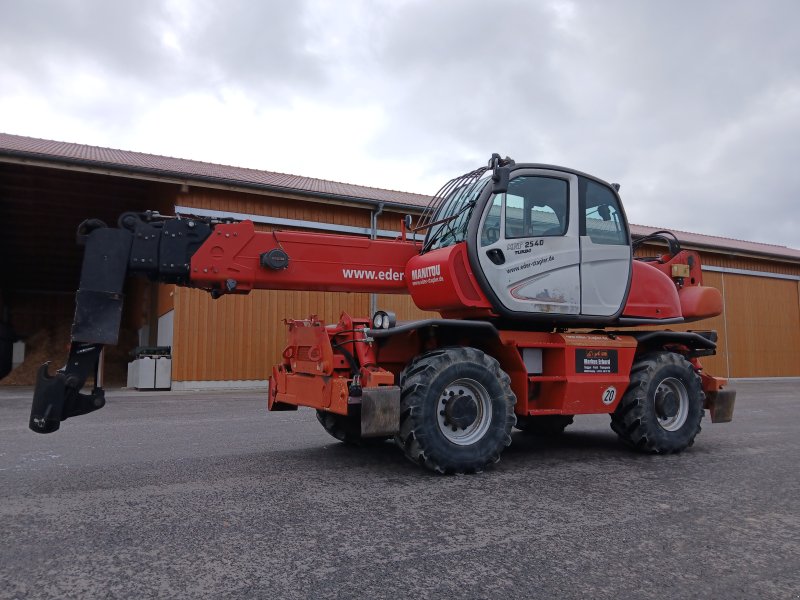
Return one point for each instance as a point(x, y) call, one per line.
point(373, 298)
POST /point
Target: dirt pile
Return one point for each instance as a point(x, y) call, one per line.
point(52, 344)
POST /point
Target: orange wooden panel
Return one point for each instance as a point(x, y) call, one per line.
point(241, 337)
point(403, 306)
point(717, 364)
point(275, 206)
point(137, 302)
point(733, 261)
point(763, 318)
point(166, 300)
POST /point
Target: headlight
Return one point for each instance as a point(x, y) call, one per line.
point(383, 319)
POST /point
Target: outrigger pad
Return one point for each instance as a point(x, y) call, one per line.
point(48, 401)
point(57, 398)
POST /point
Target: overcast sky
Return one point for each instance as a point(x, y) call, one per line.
point(693, 106)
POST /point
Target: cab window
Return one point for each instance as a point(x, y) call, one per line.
point(491, 225)
point(602, 219)
point(536, 207)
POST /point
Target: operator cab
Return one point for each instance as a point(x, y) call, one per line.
point(541, 240)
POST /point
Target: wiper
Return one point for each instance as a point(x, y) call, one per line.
point(434, 235)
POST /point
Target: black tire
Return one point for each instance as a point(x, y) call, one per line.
point(661, 410)
point(456, 410)
point(345, 429)
point(545, 425)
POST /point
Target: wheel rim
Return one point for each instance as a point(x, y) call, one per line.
point(672, 404)
point(464, 412)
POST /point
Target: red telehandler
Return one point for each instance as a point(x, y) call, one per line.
point(532, 270)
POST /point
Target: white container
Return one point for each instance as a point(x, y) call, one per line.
point(163, 375)
point(145, 373)
point(150, 373)
point(17, 354)
point(133, 373)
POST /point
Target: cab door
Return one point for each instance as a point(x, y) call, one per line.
point(529, 244)
point(605, 251)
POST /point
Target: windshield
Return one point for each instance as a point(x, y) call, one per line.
point(450, 221)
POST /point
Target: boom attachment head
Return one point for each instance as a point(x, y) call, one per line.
point(98, 313)
point(145, 244)
point(57, 397)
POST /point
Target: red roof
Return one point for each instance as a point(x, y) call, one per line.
point(15, 146)
point(166, 166)
point(713, 241)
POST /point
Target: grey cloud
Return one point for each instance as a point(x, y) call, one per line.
point(641, 93)
point(242, 44)
point(463, 70)
point(39, 35)
point(255, 45)
point(693, 106)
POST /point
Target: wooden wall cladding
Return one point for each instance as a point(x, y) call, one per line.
point(241, 337)
point(763, 325)
point(733, 261)
point(166, 299)
point(273, 206)
point(759, 333)
point(718, 364)
point(403, 307)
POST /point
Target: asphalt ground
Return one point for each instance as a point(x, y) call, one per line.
point(207, 495)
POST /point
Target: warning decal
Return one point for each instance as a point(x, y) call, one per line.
point(595, 360)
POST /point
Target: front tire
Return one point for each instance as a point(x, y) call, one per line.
point(456, 410)
point(661, 410)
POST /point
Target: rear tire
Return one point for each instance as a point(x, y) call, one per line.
point(345, 429)
point(456, 410)
point(544, 425)
point(661, 410)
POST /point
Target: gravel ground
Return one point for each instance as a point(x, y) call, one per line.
point(208, 495)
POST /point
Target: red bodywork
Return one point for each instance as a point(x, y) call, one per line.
point(313, 374)
point(658, 292)
point(443, 280)
point(580, 373)
point(319, 262)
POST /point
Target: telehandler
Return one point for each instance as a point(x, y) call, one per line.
point(532, 270)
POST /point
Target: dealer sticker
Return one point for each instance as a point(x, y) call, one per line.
point(595, 360)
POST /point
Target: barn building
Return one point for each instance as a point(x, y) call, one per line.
point(47, 188)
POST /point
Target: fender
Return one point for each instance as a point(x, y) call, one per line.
point(698, 343)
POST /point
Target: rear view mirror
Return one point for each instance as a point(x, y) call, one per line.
point(500, 180)
point(500, 172)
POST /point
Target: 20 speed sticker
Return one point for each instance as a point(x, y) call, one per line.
point(609, 395)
